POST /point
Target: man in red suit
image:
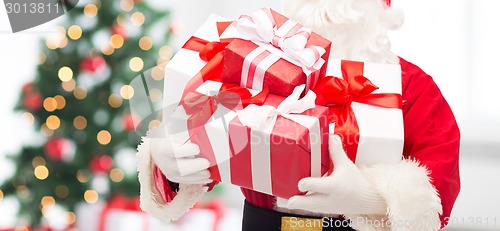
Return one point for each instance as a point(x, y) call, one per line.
point(417, 193)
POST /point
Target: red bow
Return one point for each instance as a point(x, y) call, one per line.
point(210, 52)
point(201, 107)
point(338, 94)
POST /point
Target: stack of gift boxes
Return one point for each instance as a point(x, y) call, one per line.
point(260, 95)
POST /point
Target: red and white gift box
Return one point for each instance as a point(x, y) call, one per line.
point(273, 51)
point(267, 148)
point(199, 59)
point(365, 109)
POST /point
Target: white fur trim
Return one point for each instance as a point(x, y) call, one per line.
point(412, 201)
point(151, 200)
point(393, 18)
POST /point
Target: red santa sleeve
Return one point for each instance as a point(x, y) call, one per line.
point(161, 198)
point(421, 189)
point(432, 136)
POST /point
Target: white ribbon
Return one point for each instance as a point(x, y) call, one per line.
point(291, 38)
point(262, 119)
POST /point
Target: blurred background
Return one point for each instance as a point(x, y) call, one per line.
point(73, 73)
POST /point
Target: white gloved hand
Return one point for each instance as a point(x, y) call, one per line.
point(178, 161)
point(345, 191)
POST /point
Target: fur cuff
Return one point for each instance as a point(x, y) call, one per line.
point(412, 201)
point(151, 200)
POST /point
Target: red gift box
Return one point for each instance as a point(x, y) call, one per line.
point(289, 142)
point(255, 61)
point(267, 148)
point(290, 150)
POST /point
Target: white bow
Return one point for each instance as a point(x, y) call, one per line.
point(264, 117)
point(291, 38)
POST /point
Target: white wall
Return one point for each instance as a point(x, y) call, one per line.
point(456, 41)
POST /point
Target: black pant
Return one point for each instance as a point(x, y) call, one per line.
point(260, 219)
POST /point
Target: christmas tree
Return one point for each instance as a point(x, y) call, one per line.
point(78, 105)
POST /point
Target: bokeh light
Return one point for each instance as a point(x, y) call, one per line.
point(62, 191)
point(155, 94)
point(116, 175)
point(127, 5)
point(46, 131)
point(137, 18)
point(65, 74)
point(153, 124)
point(80, 122)
point(37, 161)
point(80, 93)
point(48, 202)
point(104, 137)
point(29, 118)
point(53, 122)
point(71, 217)
point(60, 101)
point(115, 101)
point(108, 50)
point(50, 104)
point(82, 176)
point(90, 10)
point(41, 58)
point(91, 196)
point(69, 86)
point(136, 64)
point(127, 92)
point(116, 41)
point(41, 172)
point(157, 73)
point(166, 52)
point(74, 32)
point(146, 43)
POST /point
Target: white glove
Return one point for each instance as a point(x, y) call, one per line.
point(178, 161)
point(345, 191)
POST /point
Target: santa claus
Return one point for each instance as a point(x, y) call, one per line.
point(417, 193)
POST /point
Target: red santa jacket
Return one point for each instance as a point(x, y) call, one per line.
point(432, 138)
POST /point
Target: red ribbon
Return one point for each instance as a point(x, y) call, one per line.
point(201, 107)
point(338, 94)
point(119, 202)
point(210, 52)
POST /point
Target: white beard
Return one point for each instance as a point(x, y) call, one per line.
point(357, 28)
